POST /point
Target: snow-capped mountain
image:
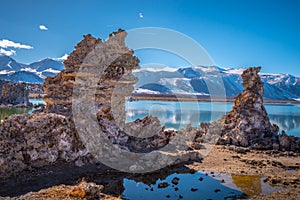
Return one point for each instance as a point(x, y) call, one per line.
point(33, 73)
point(8, 64)
point(186, 81)
point(194, 80)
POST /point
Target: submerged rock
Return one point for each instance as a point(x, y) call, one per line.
point(248, 124)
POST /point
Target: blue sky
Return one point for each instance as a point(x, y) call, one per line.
point(236, 33)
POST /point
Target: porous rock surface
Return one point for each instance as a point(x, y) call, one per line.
point(37, 140)
point(248, 124)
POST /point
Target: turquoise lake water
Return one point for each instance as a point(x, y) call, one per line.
point(178, 114)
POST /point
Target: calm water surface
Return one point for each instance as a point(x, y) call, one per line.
point(178, 114)
point(5, 112)
point(199, 185)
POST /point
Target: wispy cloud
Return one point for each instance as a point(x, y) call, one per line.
point(7, 53)
point(141, 15)
point(4, 44)
point(43, 28)
point(7, 43)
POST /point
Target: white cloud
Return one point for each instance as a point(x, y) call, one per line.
point(64, 57)
point(7, 43)
point(7, 53)
point(141, 15)
point(43, 28)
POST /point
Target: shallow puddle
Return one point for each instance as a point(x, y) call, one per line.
point(200, 185)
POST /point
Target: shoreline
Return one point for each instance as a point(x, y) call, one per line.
point(185, 98)
point(155, 97)
point(269, 166)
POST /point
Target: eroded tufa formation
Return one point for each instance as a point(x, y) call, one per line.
point(248, 124)
point(59, 89)
point(51, 136)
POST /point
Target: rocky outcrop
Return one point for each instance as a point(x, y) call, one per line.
point(59, 89)
point(51, 137)
point(36, 140)
point(248, 124)
point(115, 83)
point(13, 93)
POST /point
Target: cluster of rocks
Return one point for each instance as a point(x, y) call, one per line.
point(35, 90)
point(14, 94)
point(113, 85)
point(48, 137)
point(28, 141)
point(105, 68)
point(248, 124)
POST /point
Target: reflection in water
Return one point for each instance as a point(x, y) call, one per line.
point(197, 186)
point(178, 114)
point(5, 112)
point(189, 186)
point(250, 185)
point(291, 124)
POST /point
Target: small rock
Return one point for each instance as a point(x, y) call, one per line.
point(175, 180)
point(163, 185)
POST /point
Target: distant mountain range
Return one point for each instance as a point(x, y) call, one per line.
point(186, 81)
point(193, 80)
point(33, 73)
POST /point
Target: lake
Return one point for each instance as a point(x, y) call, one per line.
point(5, 112)
point(177, 115)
